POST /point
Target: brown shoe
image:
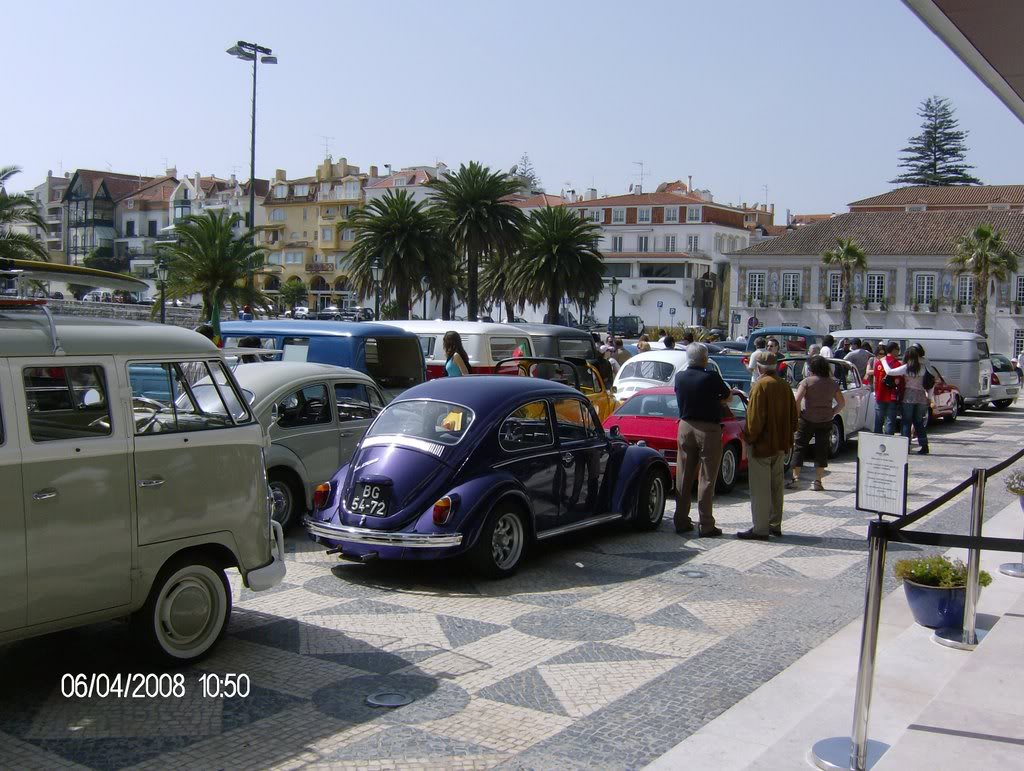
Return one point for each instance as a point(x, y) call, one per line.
point(715, 531)
point(750, 535)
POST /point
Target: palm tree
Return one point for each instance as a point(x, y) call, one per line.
point(495, 285)
point(559, 257)
point(850, 258)
point(403, 235)
point(17, 210)
point(292, 292)
point(478, 218)
point(984, 255)
point(209, 260)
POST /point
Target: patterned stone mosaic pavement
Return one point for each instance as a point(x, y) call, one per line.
point(605, 651)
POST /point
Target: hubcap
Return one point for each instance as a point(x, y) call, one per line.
point(833, 439)
point(507, 541)
point(656, 499)
point(282, 502)
point(728, 467)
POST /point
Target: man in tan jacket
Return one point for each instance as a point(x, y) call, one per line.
point(771, 423)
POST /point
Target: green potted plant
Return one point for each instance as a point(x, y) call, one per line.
point(796, 302)
point(934, 306)
point(936, 589)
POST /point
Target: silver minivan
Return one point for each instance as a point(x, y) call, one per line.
point(962, 357)
point(119, 494)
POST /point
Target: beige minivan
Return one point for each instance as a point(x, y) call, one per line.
point(119, 494)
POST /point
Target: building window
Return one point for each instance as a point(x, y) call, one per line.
point(351, 190)
point(1018, 343)
point(129, 228)
point(924, 288)
point(347, 235)
point(755, 285)
point(293, 258)
point(325, 234)
point(875, 288)
point(616, 270)
point(665, 270)
point(151, 228)
point(278, 215)
point(671, 214)
point(616, 243)
point(835, 287)
point(965, 290)
point(693, 214)
point(1019, 290)
point(301, 191)
point(670, 243)
point(917, 207)
point(642, 243)
point(791, 286)
point(280, 191)
point(643, 214)
point(693, 243)
point(618, 216)
point(597, 215)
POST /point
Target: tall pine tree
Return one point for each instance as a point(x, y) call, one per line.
point(937, 155)
point(528, 179)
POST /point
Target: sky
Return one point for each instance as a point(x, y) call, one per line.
point(813, 98)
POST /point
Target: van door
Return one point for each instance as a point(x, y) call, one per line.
point(12, 513)
point(76, 483)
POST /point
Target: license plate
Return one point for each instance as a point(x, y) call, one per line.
point(1011, 391)
point(371, 499)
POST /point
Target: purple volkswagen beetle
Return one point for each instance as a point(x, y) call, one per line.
point(482, 466)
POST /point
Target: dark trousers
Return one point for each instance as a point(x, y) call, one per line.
point(885, 417)
point(699, 448)
point(914, 414)
point(821, 433)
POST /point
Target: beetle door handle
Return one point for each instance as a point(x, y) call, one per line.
point(44, 495)
point(151, 483)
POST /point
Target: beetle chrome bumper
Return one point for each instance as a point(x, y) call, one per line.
point(382, 537)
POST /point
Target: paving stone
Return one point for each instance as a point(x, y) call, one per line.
point(573, 624)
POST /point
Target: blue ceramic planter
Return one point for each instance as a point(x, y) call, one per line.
point(936, 607)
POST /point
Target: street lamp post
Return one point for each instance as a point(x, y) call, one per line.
point(252, 52)
point(613, 289)
point(426, 283)
point(161, 276)
point(376, 271)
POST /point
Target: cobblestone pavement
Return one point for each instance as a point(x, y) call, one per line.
point(605, 651)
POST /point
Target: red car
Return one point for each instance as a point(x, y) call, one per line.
point(652, 415)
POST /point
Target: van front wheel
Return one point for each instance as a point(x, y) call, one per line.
point(187, 610)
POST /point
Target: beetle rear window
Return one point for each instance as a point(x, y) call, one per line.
point(432, 421)
point(647, 370)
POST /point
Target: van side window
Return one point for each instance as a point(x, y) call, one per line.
point(66, 403)
point(295, 349)
point(306, 407)
point(427, 343)
point(508, 347)
point(353, 402)
point(168, 397)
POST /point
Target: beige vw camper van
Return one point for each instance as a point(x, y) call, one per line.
point(120, 494)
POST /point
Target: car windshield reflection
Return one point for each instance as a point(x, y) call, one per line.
point(433, 421)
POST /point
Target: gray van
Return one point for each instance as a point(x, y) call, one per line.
point(114, 503)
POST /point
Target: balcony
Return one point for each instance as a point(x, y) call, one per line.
point(53, 219)
point(338, 195)
point(319, 267)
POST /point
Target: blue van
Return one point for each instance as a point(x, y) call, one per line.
point(791, 339)
point(388, 354)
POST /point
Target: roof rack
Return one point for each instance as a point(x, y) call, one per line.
point(32, 305)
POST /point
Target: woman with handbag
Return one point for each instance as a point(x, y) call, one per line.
point(887, 390)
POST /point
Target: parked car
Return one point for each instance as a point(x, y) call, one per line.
point(102, 517)
point(859, 412)
point(578, 373)
point(731, 345)
point(486, 344)
point(791, 339)
point(1005, 386)
point(389, 355)
point(626, 326)
point(734, 370)
point(330, 313)
point(483, 466)
point(962, 356)
point(649, 370)
point(300, 312)
point(315, 415)
point(652, 415)
point(357, 313)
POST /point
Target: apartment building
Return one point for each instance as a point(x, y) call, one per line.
point(907, 284)
point(412, 179)
point(301, 235)
point(197, 194)
point(47, 197)
point(142, 218)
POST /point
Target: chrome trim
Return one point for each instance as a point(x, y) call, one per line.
point(399, 440)
point(151, 482)
point(519, 458)
point(583, 523)
point(382, 537)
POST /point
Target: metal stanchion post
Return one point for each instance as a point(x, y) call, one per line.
point(966, 638)
point(857, 752)
point(1015, 569)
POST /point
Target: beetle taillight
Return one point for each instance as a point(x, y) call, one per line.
point(321, 495)
point(995, 379)
point(443, 509)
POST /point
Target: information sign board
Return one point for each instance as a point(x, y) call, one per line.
point(882, 473)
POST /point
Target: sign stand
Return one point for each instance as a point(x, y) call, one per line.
point(882, 472)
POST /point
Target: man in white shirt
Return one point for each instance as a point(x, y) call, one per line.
point(826, 347)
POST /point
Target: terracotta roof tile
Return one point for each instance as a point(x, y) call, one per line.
point(536, 201)
point(951, 195)
point(892, 233)
point(414, 177)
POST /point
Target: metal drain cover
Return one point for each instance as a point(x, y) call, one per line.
point(389, 699)
point(694, 574)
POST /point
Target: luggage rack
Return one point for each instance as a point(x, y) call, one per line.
point(23, 308)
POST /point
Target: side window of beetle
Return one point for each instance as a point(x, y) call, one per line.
point(528, 428)
point(306, 407)
point(569, 416)
point(352, 401)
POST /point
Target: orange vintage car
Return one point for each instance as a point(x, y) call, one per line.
point(577, 373)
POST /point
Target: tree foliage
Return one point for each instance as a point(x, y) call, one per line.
point(293, 292)
point(849, 258)
point(529, 182)
point(19, 210)
point(984, 255)
point(936, 156)
point(559, 259)
point(477, 219)
point(209, 260)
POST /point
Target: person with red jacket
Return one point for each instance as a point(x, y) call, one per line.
point(887, 397)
